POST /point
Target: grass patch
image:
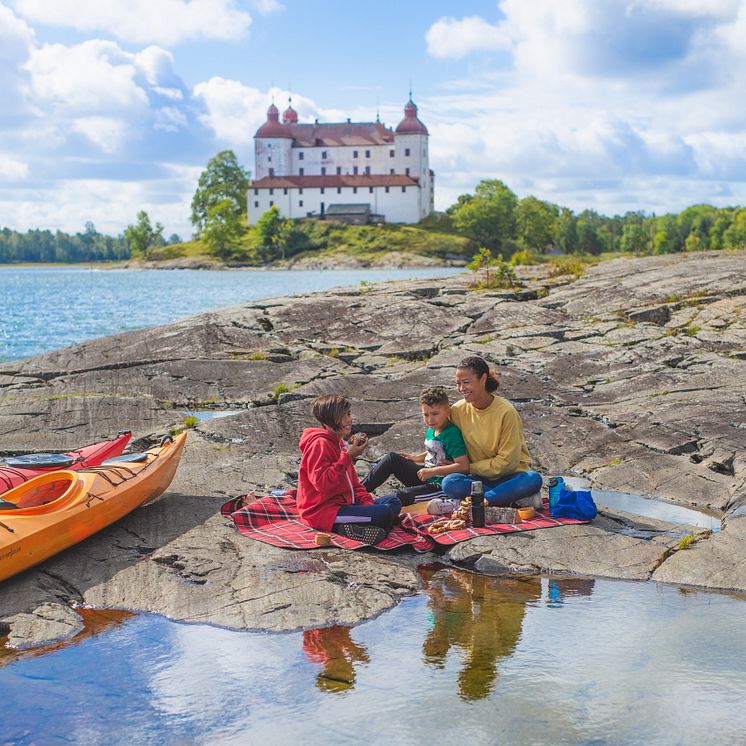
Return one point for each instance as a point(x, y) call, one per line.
point(283, 388)
point(334, 352)
point(568, 265)
point(672, 298)
point(692, 330)
point(615, 461)
point(686, 541)
point(190, 421)
point(393, 360)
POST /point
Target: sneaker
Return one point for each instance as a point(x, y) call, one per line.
point(366, 534)
point(532, 501)
point(439, 506)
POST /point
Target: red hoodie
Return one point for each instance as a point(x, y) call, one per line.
point(327, 479)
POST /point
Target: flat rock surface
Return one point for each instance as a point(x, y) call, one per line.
point(632, 375)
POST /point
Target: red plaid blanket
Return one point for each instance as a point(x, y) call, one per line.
point(419, 523)
point(274, 520)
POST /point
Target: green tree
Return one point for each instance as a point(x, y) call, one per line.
point(142, 236)
point(735, 236)
point(566, 227)
point(489, 217)
point(273, 231)
point(666, 238)
point(223, 179)
point(536, 223)
point(634, 239)
point(222, 228)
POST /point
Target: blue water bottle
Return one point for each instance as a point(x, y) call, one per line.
point(555, 484)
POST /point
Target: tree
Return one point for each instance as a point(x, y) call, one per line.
point(566, 231)
point(273, 231)
point(536, 223)
point(666, 238)
point(223, 179)
point(489, 217)
point(143, 235)
point(222, 228)
point(633, 239)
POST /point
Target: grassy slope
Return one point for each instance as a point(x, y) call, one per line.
point(324, 239)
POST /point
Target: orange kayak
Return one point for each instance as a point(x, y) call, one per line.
point(59, 509)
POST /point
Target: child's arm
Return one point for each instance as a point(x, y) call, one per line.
point(418, 458)
point(460, 465)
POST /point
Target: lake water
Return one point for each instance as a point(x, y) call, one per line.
point(470, 660)
point(45, 308)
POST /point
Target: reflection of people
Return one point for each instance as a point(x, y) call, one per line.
point(480, 615)
point(330, 496)
point(493, 434)
point(561, 588)
point(335, 650)
point(445, 452)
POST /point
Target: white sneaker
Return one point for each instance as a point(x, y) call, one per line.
point(532, 501)
point(439, 506)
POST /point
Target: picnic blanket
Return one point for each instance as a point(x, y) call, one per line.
point(274, 520)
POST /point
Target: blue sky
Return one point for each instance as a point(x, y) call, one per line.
point(111, 107)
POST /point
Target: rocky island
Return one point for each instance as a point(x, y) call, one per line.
point(632, 375)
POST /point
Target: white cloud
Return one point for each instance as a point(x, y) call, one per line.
point(234, 111)
point(11, 169)
point(450, 37)
point(143, 21)
point(265, 7)
point(107, 133)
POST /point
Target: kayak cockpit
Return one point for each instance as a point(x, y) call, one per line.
point(45, 493)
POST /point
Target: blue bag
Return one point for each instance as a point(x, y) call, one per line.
point(576, 504)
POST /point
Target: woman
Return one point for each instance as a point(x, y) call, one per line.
point(493, 434)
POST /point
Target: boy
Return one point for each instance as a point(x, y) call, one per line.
point(330, 497)
point(423, 472)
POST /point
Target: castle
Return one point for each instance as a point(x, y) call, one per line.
point(353, 171)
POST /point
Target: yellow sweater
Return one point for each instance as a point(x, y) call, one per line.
point(493, 437)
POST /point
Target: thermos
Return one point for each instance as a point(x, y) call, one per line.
point(555, 484)
point(477, 505)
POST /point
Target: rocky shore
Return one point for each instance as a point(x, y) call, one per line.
point(633, 375)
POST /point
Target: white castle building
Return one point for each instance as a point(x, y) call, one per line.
point(352, 170)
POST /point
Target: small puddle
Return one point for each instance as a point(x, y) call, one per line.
point(203, 415)
point(648, 507)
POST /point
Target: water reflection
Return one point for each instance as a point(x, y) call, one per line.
point(335, 650)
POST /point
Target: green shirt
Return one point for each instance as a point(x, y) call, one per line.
point(443, 448)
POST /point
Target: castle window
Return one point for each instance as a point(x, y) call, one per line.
point(256, 192)
point(387, 190)
point(370, 189)
point(271, 203)
point(269, 159)
point(406, 151)
point(339, 170)
point(285, 191)
point(300, 191)
point(354, 153)
point(406, 171)
point(301, 155)
point(391, 171)
point(391, 153)
point(404, 189)
point(300, 203)
point(339, 190)
point(271, 172)
point(256, 204)
point(354, 170)
point(354, 190)
point(300, 172)
point(271, 191)
point(323, 170)
point(367, 170)
point(367, 153)
point(324, 154)
point(322, 190)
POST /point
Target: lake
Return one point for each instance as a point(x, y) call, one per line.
point(45, 308)
point(469, 660)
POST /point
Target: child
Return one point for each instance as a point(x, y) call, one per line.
point(330, 496)
point(445, 453)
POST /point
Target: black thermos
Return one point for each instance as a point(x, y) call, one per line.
point(477, 505)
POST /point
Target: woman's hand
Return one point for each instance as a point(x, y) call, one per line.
point(409, 456)
point(425, 474)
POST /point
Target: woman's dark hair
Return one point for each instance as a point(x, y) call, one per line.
point(329, 410)
point(434, 396)
point(480, 368)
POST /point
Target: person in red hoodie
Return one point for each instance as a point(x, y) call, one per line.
point(330, 496)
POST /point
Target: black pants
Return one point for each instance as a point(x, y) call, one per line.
point(395, 465)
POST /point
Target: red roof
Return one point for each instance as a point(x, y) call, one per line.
point(311, 182)
point(335, 134)
point(272, 127)
point(411, 125)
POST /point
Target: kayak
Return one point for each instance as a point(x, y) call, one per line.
point(51, 512)
point(19, 469)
